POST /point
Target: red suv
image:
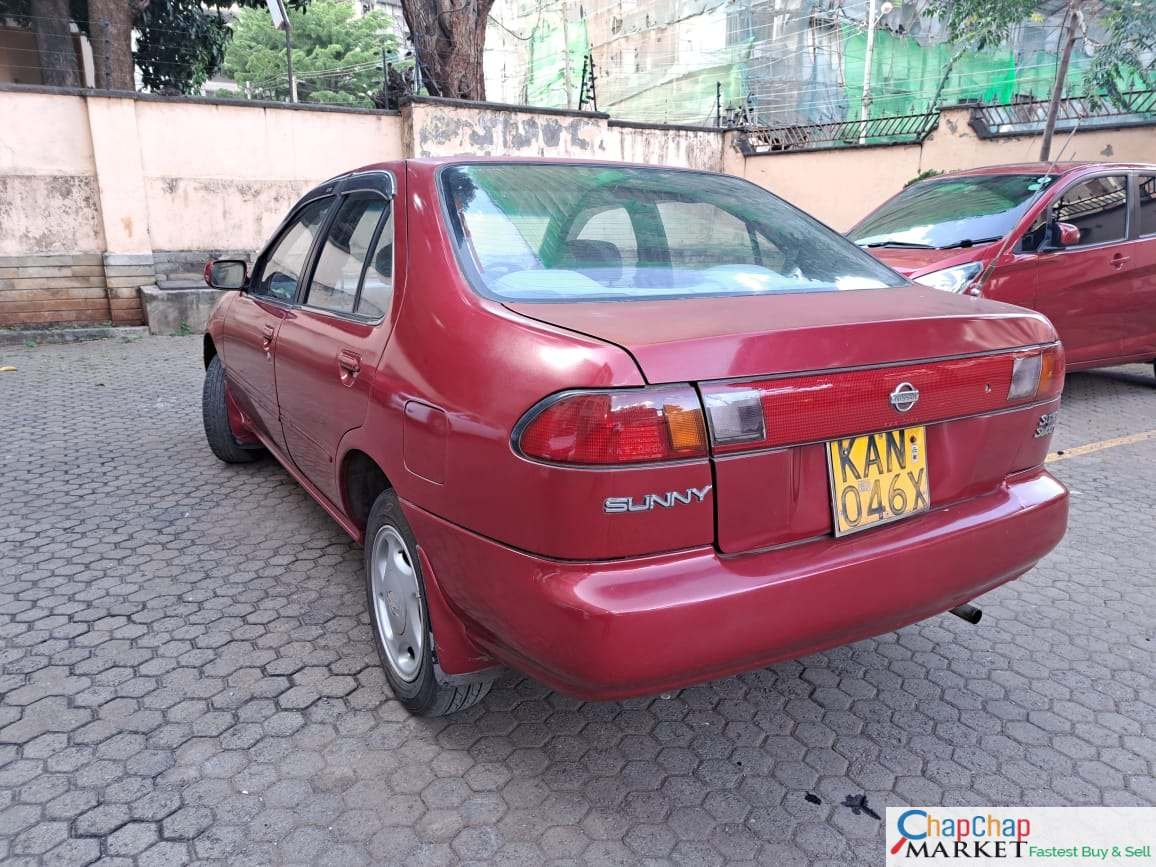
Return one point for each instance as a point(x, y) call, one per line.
point(1076, 241)
point(628, 428)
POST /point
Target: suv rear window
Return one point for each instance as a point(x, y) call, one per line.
point(558, 232)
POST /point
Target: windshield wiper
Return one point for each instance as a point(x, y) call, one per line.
point(906, 244)
point(970, 242)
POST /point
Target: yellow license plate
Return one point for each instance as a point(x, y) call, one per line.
point(878, 478)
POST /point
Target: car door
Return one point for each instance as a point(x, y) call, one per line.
point(254, 319)
point(1140, 339)
point(1084, 288)
point(328, 349)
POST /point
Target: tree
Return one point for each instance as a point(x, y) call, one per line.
point(1123, 56)
point(179, 43)
point(58, 65)
point(336, 57)
point(448, 38)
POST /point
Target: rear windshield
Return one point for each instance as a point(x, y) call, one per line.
point(529, 232)
point(951, 212)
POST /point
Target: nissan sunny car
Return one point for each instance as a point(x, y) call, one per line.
point(628, 428)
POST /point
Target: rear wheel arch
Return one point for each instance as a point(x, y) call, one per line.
point(362, 482)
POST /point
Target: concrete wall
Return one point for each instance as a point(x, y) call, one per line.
point(840, 186)
point(103, 194)
point(444, 127)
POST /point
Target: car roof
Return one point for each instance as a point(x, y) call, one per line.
point(529, 160)
point(1040, 168)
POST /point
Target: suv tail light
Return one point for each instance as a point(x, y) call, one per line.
point(614, 427)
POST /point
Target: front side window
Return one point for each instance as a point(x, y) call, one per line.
point(591, 232)
point(345, 253)
point(951, 212)
point(1147, 204)
point(285, 263)
point(1098, 208)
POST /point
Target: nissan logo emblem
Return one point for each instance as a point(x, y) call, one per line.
point(904, 396)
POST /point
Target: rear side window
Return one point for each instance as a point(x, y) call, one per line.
point(377, 284)
point(559, 232)
point(1098, 208)
point(285, 263)
point(343, 256)
point(1147, 204)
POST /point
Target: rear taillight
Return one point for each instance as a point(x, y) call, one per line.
point(629, 426)
point(1037, 374)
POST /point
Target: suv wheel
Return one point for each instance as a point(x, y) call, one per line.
point(397, 612)
point(215, 414)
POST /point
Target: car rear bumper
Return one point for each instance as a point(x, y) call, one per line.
point(640, 626)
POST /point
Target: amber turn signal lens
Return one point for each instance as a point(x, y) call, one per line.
point(686, 428)
point(1051, 372)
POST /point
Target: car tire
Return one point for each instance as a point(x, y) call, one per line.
point(215, 414)
point(395, 593)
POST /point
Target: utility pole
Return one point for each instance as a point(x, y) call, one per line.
point(1061, 76)
point(281, 22)
point(868, 58)
point(567, 76)
point(718, 103)
point(289, 61)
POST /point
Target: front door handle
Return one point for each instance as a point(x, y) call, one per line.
point(267, 335)
point(349, 364)
point(1119, 261)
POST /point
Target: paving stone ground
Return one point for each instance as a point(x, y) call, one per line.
point(186, 672)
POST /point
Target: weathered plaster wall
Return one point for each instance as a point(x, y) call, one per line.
point(100, 195)
point(451, 128)
point(222, 176)
point(49, 200)
point(840, 186)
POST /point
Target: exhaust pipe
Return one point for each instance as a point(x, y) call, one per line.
point(968, 612)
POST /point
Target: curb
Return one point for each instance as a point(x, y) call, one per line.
point(45, 336)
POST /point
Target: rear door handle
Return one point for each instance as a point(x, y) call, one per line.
point(350, 365)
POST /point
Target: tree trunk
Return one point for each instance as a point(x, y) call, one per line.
point(448, 37)
point(50, 25)
point(110, 28)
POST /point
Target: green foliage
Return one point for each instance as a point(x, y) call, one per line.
point(179, 45)
point(336, 57)
point(1124, 60)
point(979, 24)
point(1121, 58)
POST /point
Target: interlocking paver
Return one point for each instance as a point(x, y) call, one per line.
point(186, 672)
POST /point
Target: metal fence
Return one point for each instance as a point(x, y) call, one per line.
point(1029, 116)
point(817, 136)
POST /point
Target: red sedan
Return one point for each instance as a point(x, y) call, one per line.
point(628, 428)
point(1076, 241)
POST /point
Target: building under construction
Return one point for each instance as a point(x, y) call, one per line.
point(776, 62)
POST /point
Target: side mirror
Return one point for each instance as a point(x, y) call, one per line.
point(1065, 235)
point(227, 273)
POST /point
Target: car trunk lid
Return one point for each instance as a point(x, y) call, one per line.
point(695, 339)
point(824, 366)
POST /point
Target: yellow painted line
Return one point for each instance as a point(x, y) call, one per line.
point(1089, 448)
